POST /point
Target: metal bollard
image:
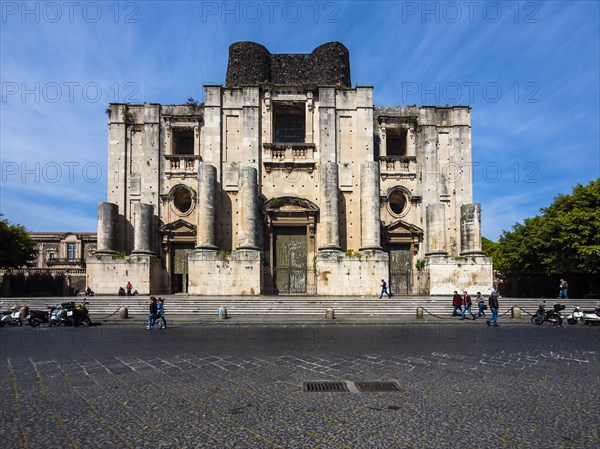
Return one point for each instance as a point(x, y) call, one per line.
point(123, 313)
point(329, 315)
point(419, 313)
point(515, 313)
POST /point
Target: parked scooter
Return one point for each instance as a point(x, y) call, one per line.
point(551, 316)
point(585, 316)
point(37, 317)
point(57, 316)
point(13, 317)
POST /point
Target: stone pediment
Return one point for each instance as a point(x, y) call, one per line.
point(402, 227)
point(290, 204)
point(177, 227)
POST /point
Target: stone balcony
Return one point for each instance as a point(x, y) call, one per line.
point(181, 165)
point(289, 156)
point(398, 167)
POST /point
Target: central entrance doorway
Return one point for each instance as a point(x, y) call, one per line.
point(179, 275)
point(400, 270)
point(289, 259)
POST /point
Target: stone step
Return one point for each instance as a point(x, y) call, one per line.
point(183, 305)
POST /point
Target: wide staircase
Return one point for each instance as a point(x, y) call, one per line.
point(101, 307)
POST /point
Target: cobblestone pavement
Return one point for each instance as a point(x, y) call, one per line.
point(242, 387)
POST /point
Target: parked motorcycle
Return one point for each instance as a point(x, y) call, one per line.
point(551, 316)
point(37, 317)
point(77, 314)
point(585, 316)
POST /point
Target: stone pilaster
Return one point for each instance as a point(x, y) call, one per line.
point(327, 124)
point(470, 230)
point(143, 234)
point(248, 231)
point(370, 220)
point(207, 178)
point(108, 216)
point(329, 206)
point(435, 219)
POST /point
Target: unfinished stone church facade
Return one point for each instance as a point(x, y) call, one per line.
point(288, 180)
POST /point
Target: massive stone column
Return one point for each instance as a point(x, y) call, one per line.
point(108, 215)
point(435, 220)
point(207, 178)
point(370, 221)
point(329, 206)
point(143, 234)
point(249, 209)
point(470, 229)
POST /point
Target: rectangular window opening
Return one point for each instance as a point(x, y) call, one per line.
point(290, 123)
point(396, 142)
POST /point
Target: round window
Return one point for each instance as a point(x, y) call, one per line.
point(397, 202)
point(182, 200)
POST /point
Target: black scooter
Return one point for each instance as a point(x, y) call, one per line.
point(551, 316)
point(37, 317)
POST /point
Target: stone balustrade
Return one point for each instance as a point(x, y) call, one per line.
point(289, 156)
point(398, 167)
point(181, 165)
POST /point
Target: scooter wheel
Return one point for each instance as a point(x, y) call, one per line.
point(571, 321)
point(536, 320)
point(595, 323)
point(34, 323)
point(559, 321)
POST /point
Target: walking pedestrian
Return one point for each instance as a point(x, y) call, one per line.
point(153, 311)
point(493, 303)
point(563, 289)
point(456, 300)
point(161, 313)
point(480, 305)
point(466, 306)
point(384, 290)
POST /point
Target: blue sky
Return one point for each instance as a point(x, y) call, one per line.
point(530, 71)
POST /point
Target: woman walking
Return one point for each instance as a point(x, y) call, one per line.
point(161, 313)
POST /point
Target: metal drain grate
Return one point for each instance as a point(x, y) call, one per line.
point(377, 387)
point(325, 387)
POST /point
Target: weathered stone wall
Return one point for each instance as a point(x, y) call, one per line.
point(447, 274)
point(339, 274)
point(105, 274)
point(216, 274)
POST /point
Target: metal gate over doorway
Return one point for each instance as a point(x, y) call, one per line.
point(179, 276)
point(290, 260)
point(400, 270)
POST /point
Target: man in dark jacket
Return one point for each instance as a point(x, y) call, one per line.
point(493, 303)
point(152, 313)
point(456, 299)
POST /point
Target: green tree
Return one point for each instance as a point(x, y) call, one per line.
point(17, 249)
point(565, 238)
